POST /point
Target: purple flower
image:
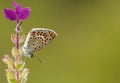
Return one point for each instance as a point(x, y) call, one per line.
point(18, 14)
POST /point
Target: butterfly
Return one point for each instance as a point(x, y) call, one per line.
point(37, 39)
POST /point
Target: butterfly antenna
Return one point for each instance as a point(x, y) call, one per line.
point(40, 59)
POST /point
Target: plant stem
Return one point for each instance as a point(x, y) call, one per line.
point(17, 41)
point(17, 76)
point(17, 47)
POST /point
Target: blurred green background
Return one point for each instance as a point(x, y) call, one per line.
point(87, 49)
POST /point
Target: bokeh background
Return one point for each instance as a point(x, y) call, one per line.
point(87, 49)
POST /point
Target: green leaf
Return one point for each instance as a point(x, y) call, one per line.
point(19, 66)
point(13, 80)
point(24, 74)
point(10, 74)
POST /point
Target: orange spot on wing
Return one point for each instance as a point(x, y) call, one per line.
point(37, 33)
point(33, 33)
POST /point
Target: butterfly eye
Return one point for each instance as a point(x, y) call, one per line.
point(31, 55)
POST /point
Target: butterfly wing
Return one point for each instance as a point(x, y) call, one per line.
point(38, 38)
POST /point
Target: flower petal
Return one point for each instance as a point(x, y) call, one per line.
point(24, 13)
point(17, 7)
point(10, 14)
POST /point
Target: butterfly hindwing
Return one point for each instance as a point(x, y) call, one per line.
point(39, 37)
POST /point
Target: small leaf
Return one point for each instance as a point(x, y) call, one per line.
point(20, 66)
point(13, 38)
point(15, 52)
point(9, 74)
point(24, 74)
point(12, 81)
point(20, 51)
point(23, 80)
point(9, 62)
point(21, 38)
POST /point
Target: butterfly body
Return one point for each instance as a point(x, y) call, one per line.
point(37, 39)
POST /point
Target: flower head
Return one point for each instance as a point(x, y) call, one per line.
point(18, 13)
point(16, 71)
